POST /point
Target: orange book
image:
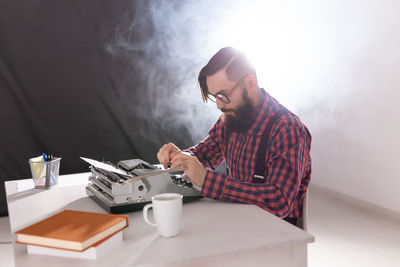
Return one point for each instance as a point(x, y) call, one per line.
point(72, 230)
point(92, 252)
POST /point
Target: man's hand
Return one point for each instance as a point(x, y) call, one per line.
point(191, 166)
point(164, 155)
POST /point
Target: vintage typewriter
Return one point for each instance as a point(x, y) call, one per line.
point(130, 184)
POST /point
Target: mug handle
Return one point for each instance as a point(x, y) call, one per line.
point(145, 210)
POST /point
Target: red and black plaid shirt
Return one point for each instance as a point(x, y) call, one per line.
point(287, 162)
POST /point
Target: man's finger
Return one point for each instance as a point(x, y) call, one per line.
point(167, 159)
point(175, 155)
point(175, 164)
point(164, 163)
point(180, 162)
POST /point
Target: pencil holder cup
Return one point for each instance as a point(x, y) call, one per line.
point(45, 174)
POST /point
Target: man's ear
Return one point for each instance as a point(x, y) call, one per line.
point(251, 81)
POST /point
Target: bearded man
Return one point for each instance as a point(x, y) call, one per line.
point(265, 146)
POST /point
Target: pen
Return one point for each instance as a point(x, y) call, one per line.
point(48, 170)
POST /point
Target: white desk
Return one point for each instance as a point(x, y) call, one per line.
point(213, 233)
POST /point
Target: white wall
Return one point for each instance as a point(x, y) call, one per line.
point(346, 72)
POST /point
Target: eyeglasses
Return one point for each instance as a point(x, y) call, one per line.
point(222, 96)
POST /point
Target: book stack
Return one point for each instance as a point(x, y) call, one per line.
point(72, 233)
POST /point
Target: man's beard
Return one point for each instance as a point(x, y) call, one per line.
point(243, 117)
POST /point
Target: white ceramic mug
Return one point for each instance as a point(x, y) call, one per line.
point(167, 210)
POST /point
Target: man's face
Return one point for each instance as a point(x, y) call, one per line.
point(237, 115)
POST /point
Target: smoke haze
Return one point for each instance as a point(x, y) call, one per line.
point(164, 44)
point(159, 41)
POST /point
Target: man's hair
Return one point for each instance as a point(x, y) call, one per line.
point(232, 60)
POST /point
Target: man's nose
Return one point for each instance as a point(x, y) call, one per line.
point(220, 104)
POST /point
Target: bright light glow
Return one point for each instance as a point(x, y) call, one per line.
point(260, 30)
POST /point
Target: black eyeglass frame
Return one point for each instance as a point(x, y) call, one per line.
point(223, 97)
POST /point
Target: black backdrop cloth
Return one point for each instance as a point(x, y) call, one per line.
point(64, 93)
